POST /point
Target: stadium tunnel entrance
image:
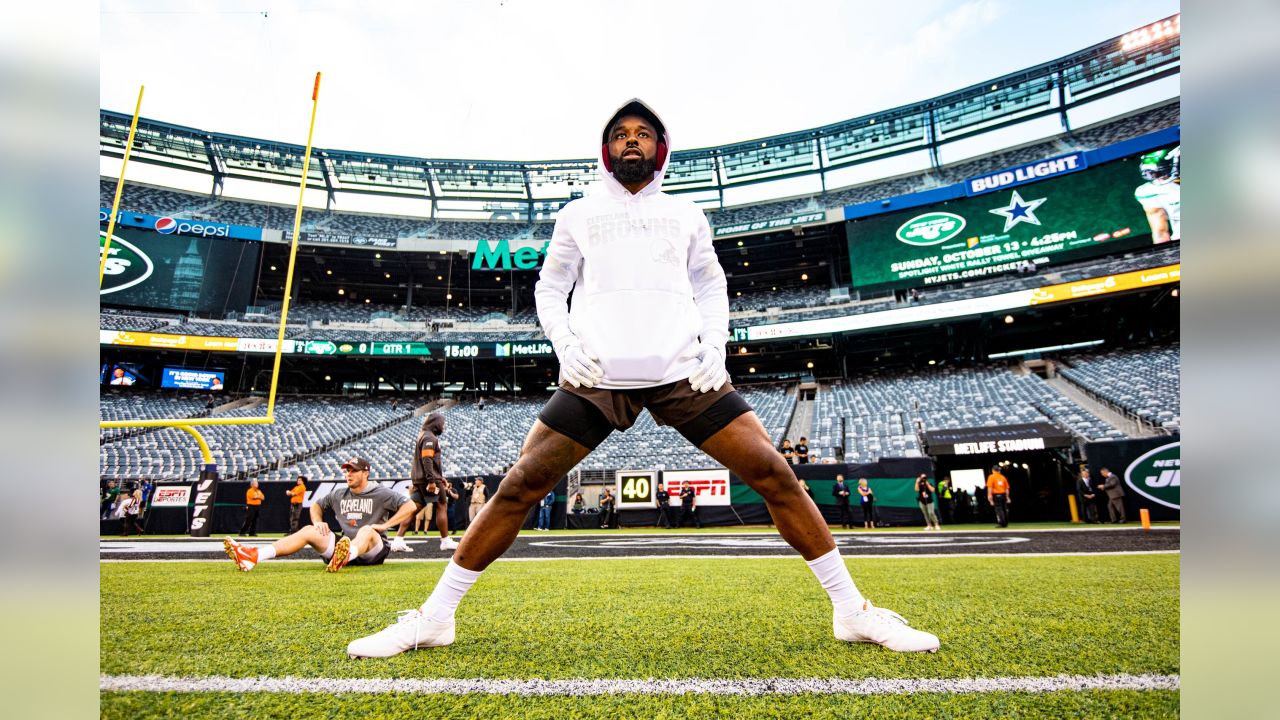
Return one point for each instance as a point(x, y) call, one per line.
point(1039, 483)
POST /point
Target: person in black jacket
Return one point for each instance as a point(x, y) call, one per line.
point(429, 484)
point(688, 505)
point(840, 491)
point(608, 509)
point(663, 498)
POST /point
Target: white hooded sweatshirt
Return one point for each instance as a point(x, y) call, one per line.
point(646, 283)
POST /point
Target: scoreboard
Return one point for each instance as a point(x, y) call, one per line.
point(636, 489)
point(1009, 218)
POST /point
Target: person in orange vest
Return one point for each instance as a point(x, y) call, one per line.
point(252, 504)
point(998, 496)
point(296, 495)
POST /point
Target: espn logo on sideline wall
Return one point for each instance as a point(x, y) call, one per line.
point(171, 496)
point(712, 486)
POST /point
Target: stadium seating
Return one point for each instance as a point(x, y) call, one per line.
point(158, 201)
point(884, 411)
point(1144, 381)
point(303, 425)
point(140, 404)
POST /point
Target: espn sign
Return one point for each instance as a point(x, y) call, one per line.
point(711, 486)
point(165, 496)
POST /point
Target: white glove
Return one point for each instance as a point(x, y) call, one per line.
point(711, 373)
point(579, 367)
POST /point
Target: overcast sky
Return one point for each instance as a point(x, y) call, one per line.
point(533, 79)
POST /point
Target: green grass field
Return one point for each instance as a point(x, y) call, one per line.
point(637, 619)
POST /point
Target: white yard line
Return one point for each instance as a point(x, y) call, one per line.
point(904, 556)
point(605, 686)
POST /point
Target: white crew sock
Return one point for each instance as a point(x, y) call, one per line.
point(266, 552)
point(834, 578)
point(453, 584)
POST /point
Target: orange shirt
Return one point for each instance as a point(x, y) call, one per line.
point(997, 484)
point(295, 494)
point(253, 496)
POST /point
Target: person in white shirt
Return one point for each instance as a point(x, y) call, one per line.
point(647, 330)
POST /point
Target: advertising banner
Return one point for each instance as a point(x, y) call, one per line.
point(192, 379)
point(771, 224)
point(711, 486)
point(171, 496)
point(1051, 211)
point(166, 225)
point(1002, 439)
point(167, 342)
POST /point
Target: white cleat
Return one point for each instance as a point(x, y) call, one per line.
point(883, 627)
point(448, 543)
point(411, 631)
point(399, 545)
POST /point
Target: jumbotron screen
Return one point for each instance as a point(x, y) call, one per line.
point(1006, 221)
point(178, 272)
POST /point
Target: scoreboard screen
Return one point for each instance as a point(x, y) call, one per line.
point(1013, 217)
point(636, 488)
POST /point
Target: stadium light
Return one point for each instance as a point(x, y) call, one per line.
point(809, 365)
point(751, 370)
point(327, 378)
point(1174, 293)
point(342, 291)
point(1008, 319)
point(742, 350)
point(377, 256)
point(387, 275)
point(273, 268)
point(367, 301)
point(328, 272)
point(804, 276)
point(439, 277)
point(933, 362)
point(449, 296)
point(739, 243)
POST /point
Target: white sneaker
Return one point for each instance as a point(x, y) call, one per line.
point(448, 543)
point(883, 627)
point(399, 545)
point(411, 631)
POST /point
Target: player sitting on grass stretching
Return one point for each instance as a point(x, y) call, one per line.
point(648, 329)
point(364, 509)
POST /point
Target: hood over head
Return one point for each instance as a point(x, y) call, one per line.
point(434, 424)
point(635, 106)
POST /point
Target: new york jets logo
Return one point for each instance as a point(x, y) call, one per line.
point(126, 265)
point(930, 228)
point(1157, 475)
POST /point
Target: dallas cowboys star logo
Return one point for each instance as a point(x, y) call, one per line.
point(1019, 211)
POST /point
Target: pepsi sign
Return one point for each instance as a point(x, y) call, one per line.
point(169, 225)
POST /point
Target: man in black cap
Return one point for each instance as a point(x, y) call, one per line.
point(364, 510)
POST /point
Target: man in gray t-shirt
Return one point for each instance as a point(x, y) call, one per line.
point(364, 510)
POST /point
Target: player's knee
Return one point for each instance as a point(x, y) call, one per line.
point(523, 485)
point(767, 473)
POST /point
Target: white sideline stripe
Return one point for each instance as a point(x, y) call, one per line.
point(696, 686)
point(911, 556)
point(610, 534)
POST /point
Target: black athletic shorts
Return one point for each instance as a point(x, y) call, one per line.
point(589, 415)
point(420, 497)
